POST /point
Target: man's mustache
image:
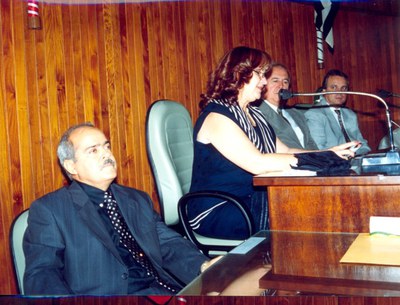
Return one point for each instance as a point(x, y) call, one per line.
point(109, 161)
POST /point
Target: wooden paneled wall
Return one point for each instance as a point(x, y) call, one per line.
point(106, 63)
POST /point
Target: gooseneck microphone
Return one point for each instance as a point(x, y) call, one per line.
point(388, 162)
point(286, 94)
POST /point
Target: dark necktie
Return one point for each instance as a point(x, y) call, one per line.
point(127, 240)
point(339, 115)
point(282, 116)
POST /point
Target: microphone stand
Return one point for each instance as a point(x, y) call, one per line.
point(388, 162)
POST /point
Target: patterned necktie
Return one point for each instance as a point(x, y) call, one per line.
point(127, 240)
point(339, 115)
point(282, 116)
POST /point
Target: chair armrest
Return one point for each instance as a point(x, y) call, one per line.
point(231, 199)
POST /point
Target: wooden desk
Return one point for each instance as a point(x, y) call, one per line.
point(330, 204)
point(304, 263)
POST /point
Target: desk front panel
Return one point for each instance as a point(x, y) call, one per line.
point(329, 204)
point(318, 255)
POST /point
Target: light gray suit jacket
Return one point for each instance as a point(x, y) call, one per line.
point(325, 128)
point(284, 130)
point(68, 249)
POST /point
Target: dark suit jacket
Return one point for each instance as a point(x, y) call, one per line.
point(284, 130)
point(69, 251)
point(325, 128)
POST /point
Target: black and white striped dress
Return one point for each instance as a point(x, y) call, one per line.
point(212, 171)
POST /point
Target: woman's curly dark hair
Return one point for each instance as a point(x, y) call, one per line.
point(233, 71)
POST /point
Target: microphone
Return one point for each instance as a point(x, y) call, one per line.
point(388, 162)
point(385, 94)
point(286, 94)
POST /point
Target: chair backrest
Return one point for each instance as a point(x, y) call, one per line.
point(385, 143)
point(17, 231)
point(169, 143)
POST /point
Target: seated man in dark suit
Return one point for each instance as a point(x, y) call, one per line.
point(289, 124)
point(96, 237)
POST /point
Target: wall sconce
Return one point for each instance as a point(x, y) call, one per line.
point(34, 22)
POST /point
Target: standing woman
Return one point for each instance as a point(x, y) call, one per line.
point(232, 143)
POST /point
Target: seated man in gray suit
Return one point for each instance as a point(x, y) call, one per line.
point(96, 237)
point(330, 122)
point(289, 124)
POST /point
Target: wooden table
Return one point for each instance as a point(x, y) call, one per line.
point(330, 204)
point(303, 263)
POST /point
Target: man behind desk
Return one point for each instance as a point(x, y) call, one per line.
point(330, 122)
point(289, 124)
point(71, 246)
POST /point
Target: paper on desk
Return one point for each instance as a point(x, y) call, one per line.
point(289, 173)
point(378, 249)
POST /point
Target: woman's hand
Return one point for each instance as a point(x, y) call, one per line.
point(346, 150)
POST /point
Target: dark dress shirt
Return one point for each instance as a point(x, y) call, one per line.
point(138, 279)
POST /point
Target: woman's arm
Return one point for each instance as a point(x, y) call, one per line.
point(234, 145)
point(344, 150)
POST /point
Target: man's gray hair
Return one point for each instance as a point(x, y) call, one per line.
point(65, 149)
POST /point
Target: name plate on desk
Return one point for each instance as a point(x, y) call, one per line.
point(388, 225)
point(388, 163)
